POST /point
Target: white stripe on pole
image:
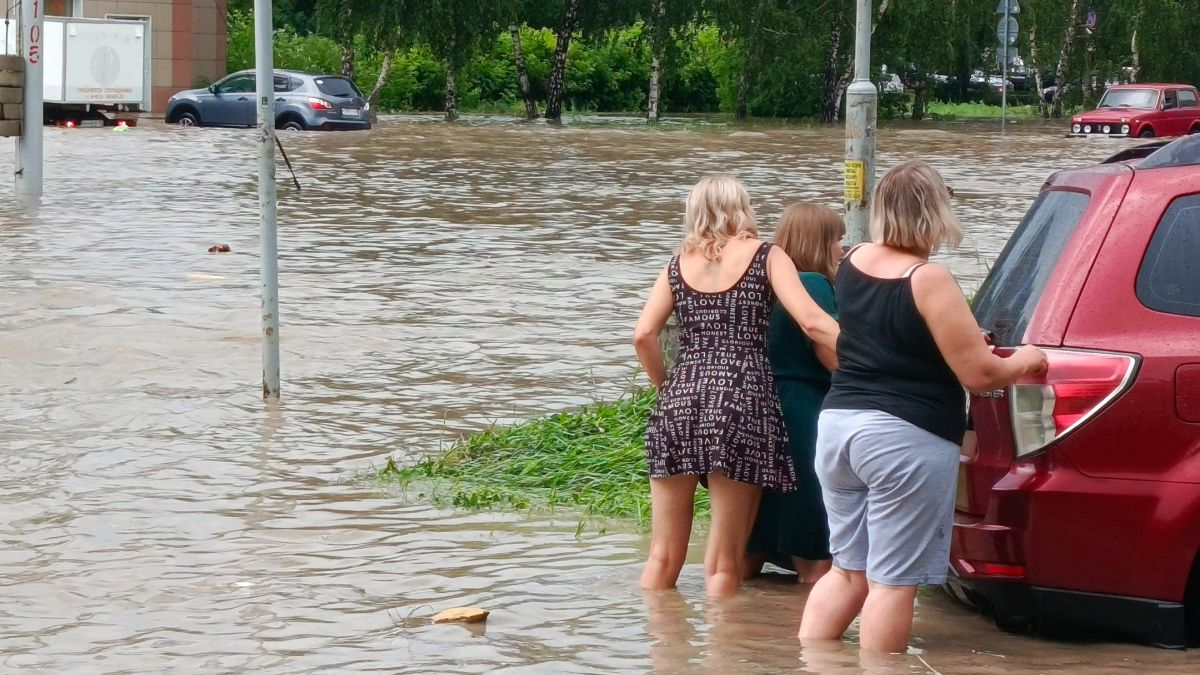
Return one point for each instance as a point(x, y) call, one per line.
point(29, 144)
point(264, 65)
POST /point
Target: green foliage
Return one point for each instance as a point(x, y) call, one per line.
point(591, 459)
point(780, 48)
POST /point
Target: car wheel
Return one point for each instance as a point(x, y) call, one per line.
point(1194, 130)
point(1146, 133)
point(292, 125)
point(188, 119)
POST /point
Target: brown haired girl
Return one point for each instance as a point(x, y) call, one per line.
point(791, 529)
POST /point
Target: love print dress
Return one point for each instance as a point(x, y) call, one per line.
point(718, 411)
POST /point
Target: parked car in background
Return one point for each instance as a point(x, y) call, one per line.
point(1082, 502)
point(302, 101)
point(1142, 111)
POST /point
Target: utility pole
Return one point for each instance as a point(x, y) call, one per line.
point(1006, 34)
point(29, 144)
point(267, 201)
point(862, 99)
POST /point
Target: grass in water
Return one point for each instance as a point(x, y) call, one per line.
point(940, 110)
point(591, 459)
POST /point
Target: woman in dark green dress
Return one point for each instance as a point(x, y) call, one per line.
point(791, 530)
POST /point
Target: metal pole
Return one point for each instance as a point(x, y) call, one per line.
point(29, 144)
point(1004, 71)
point(861, 102)
point(267, 202)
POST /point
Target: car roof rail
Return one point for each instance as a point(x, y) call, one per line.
point(1182, 152)
point(1138, 152)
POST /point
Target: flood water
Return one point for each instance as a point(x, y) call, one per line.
point(156, 516)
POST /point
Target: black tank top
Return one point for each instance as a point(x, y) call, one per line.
point(887, 359)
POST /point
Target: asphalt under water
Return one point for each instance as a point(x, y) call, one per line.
point(158, 517)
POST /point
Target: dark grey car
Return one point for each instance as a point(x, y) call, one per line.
point(302, 101)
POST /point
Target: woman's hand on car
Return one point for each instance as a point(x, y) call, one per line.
point(1032, 359)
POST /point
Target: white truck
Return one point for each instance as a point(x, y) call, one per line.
point(96, 71)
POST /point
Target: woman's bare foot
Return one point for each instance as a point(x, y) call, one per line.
point(810, 571)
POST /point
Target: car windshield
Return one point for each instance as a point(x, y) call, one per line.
point(1129, 98)
point(338, 87)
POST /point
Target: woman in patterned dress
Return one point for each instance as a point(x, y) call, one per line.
point(718, 419)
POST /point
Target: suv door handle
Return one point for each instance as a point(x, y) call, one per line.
point(280, 100)
point(243, 98)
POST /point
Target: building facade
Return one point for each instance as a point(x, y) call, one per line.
point(187, 38)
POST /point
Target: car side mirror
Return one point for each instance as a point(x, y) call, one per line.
point(212, 89)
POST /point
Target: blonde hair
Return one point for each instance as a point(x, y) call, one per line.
point(911, 210)
point(718, 210)
point(807, 233)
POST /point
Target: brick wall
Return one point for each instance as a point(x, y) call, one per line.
point(187, 39)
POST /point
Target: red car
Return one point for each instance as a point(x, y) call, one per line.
point(1082, 505)
point(1142, 111)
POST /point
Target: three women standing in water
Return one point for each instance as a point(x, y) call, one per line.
point(887, 442)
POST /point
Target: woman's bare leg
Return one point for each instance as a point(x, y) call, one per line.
point(887, 618)
point(671, 503)
point(752, 566)
point(833, 603)
point(733, 507)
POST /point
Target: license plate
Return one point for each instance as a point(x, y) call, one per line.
point(91, 123)
point(349, 112)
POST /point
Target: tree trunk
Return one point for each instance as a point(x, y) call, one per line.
point(1135, 57)
point(1060, 73)
point(451, 92)
point(554, 94)
point(831, 85)
point(753, 46)
point(1043, 111)
point(348, 60)
point(1089, 70)
point(657, 40)
point(918, 109)
point(531, 110)
point(385, 69)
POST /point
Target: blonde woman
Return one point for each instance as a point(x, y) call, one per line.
point(717, 420)
point(891, 426)
point(790, 529)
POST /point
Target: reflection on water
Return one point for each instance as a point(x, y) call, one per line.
point(158, 518)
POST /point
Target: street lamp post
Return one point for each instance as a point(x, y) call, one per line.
point(267, 200)
point(862, 99)
point(29, 144)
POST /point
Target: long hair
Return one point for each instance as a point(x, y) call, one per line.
point(718, 210)
point(911, 210)
point(807, 234)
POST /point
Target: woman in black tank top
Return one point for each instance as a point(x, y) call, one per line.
point(889, 432)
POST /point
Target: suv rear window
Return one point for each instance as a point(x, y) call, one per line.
point(338, 87)
point(1012, 291)
point(1169, 279)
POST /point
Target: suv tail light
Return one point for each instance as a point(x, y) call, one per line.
point(1075, 386)
point(319, 104)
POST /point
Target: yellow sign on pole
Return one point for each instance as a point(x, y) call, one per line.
point(855, 180)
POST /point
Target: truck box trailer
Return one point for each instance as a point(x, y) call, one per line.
point(96, 71)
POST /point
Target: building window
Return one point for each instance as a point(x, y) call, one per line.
point(73, 8)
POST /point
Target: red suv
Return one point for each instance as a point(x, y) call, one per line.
point(1082, 505)
point(1142, 111)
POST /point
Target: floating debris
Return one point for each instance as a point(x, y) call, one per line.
point(219, 248)
point(462, 614)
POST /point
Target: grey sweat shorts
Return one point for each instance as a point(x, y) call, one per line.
point(889, 490)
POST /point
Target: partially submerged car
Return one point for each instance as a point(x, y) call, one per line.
point(1142, 111)
point(302, 101)
point(1081, 505)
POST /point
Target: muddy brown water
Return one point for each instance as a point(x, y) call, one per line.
point(157, 517)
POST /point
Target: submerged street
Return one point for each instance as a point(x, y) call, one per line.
point(157, 516)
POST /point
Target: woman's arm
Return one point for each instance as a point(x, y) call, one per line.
point(819, 326)
point(645, 335)
point(941, 303)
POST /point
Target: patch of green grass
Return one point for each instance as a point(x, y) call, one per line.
point(938, 109)
point(591, 459)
